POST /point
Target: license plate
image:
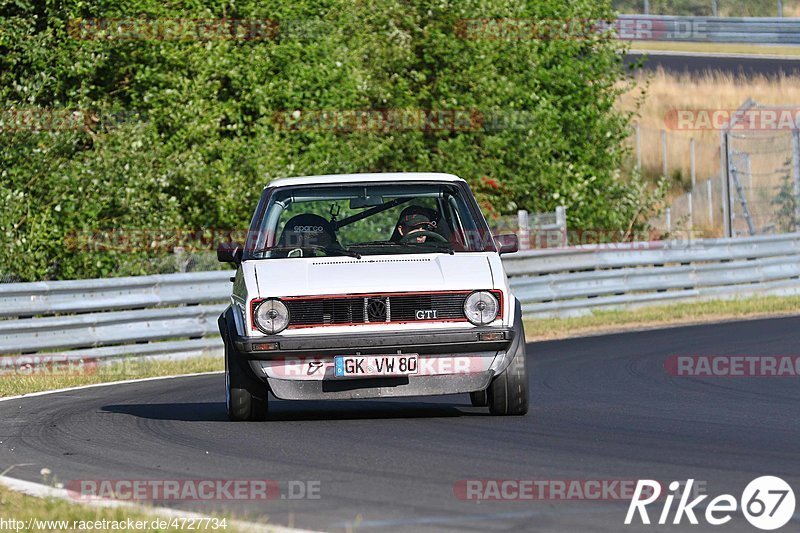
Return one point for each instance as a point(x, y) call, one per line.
point(346, 366)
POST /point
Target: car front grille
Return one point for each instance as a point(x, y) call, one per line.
point(376, 309)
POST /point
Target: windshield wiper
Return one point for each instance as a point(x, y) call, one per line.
point(327, 249)
point(435, 246)
point(439, 245)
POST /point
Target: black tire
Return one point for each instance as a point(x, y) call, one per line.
point(245, 396)
point(508, 392)
point(479, 398)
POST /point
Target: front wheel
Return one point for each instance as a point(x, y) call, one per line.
point(245, 396)
point(508, 392)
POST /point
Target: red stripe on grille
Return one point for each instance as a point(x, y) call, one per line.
point(399, 307)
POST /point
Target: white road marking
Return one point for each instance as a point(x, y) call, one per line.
point(43, 491)
point(106, 384)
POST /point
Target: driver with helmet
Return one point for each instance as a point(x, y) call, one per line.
point(416, 219)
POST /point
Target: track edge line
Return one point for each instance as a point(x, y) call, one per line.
point(106, 384)
point(38, 490)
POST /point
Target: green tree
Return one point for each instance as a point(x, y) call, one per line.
point(204, 120)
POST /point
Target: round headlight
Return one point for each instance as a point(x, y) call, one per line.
point(481, 308)
point(271, 316)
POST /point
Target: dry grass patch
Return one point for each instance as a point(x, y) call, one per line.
point(713, 90)
point(51, 514)
point(721, 48)
point(15, 381)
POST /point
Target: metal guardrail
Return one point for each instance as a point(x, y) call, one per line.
point(177, 313)
point(749, 30)
point(97, 318)
point(575, 281)
point(81, 296)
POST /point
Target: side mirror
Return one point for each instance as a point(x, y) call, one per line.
point(229, 252)
point(507, 244)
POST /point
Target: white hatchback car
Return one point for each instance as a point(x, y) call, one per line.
point(371, 286)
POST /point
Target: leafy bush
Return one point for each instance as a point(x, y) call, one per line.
point(183, 134)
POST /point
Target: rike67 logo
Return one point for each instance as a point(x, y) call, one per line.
point(767, 502)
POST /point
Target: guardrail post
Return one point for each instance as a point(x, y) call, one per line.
point(714, 9)
point(796, 167)
point(724, 176)
point(181, 258)
point(561, 222)
point(693, 163)
point(726, 169)
point(646, 7)
point(664, 168)
point(638, 147)
point(709, 192)
point(524, 230)
point(780, 8)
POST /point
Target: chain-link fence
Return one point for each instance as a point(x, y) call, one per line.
point(762, 182)
point(536, 230)
point(710, 8)
point(690, 162)
point(757, 189)
point(699, 210)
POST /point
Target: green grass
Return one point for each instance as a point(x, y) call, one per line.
point(17, 506)
point(667, 315)
point(720, 48)
point(19, 380)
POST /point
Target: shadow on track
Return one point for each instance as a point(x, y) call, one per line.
point(183, 412)
point(299, 410)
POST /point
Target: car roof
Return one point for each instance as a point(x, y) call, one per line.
point(335, 179)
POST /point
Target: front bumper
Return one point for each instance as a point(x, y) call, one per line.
point(287, 389)
point(485, 359)
point(422, 342)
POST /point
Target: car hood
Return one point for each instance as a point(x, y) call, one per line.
point(371, 274)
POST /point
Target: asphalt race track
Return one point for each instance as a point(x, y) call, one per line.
point(603, 408)
point(678, 63)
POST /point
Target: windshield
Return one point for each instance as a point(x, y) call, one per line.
point(369, 219)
